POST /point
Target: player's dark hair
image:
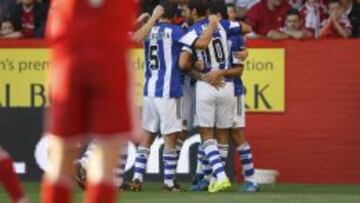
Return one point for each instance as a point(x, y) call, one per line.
point(231, 5)
point(293, 11)
point(333, 2)
point(218, 7)
point(170, 9)
point(200, 6)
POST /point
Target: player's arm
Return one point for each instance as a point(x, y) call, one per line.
point(186, 64)
point(142, 19)
point(204, 39)
point(235, 71)
point(242, 55)
point(218, 75)
point(245, 28)
point(185, 59)
point(140, 34)
point(193, 69)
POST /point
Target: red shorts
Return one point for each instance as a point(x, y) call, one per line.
point(89, 92)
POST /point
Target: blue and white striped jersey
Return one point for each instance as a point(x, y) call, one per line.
point(216, 56)
point(236, 44)
point(163, 76)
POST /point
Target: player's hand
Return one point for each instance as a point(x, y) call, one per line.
point(199, 65)
point(242, 55)
point(218, 84)
point(214, 77)
point(158, 12)
point(214, 20)
point(143, 18)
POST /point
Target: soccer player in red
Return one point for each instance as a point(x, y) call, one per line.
point(90, 93)
point(9, 179)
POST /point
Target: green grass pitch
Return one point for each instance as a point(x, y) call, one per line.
point(279, 193)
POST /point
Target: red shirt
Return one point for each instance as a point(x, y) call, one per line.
point(332, 32)
point(263, 20)
point(28, 24)
point(91, 22)
point(312, 16)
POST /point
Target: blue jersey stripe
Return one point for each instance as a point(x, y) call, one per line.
point(175, 82)
point(162, 67)
point(163, 78)
point(147, 69)
point(237, 44)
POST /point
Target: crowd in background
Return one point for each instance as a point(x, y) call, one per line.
point(23, 18)
point(293, 19)
point(272, 19)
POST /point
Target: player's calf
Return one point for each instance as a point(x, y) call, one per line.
point(246, 158)
point(222, 136)
point(170, 159)
point(142, 156)
point(212, 153)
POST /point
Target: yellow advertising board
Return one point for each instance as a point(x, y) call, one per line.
point(264, 80)
point(23, 78)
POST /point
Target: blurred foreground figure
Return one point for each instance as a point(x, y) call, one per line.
point(90, 94)
point(9, 179)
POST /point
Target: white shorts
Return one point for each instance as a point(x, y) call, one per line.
point(188, 106)
point(215, 108)
point(239, 111)
point(162, 115)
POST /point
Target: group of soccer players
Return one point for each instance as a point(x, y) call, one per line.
point(192, 78)
point(194, 63)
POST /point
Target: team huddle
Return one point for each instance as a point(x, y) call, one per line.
point(194, 63)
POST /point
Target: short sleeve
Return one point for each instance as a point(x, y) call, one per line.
point(178, 33)
point(189, 38)
point(187, 49)
point(231, 27)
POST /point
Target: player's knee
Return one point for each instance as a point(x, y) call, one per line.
point(207, 133)
point(222, 136)
point(182, 136)
point(148, 140)
point(170, 140)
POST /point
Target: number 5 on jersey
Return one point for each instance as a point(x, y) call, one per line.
point(153, 56)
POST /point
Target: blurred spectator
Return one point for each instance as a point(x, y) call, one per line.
point(242, 6)
point(30, 17)
point(7, 30)
point(293, 28)
point(5, 6)
point(297, 4)
point(232, 12)
point(313, 13)
point(337, 25)
point(267, 15)
point(242, 3)
point(352, 10)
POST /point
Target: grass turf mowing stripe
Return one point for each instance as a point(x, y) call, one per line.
point(279, 193)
